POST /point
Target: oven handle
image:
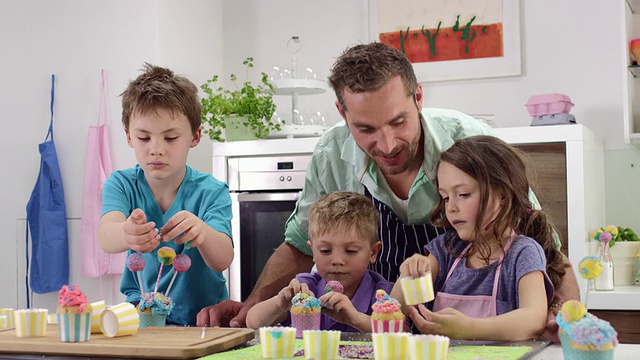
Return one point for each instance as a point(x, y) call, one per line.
point(283, 196)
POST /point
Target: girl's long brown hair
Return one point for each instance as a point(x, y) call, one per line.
point(498, 168)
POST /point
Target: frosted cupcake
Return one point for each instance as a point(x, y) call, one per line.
point(386, 315)
point(74, 314)
point(305, 313)
point(154, 308)
point(584, 336)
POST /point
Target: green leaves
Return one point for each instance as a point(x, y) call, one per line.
point(253, 101)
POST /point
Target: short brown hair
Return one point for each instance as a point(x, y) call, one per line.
point(367, 67)
point(159, 88)
point(346, 212)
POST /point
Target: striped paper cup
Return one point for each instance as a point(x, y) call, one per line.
point(277, 342)
point(52, 318)
point(74, 327)
point(417, 291)
point(434, 347)
point(390, 346)
point(387, 326)
point(8, 312)
point(321, 345)
point(119, 320)
point(30, 322)
point(96, 310)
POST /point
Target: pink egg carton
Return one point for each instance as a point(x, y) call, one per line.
point(548, 104)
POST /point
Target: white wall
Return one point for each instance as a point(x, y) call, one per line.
point(571, 47)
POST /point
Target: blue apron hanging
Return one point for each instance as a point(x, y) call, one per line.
point(47, 220)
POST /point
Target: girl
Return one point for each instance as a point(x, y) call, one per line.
point(489, 268)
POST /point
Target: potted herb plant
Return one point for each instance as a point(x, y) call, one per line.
point(245, 112)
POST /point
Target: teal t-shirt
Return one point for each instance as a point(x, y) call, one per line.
point(200, 194)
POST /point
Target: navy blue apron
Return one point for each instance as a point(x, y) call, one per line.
point(47, 220)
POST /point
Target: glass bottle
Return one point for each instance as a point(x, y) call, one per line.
point(604, 282)
point(636, 270)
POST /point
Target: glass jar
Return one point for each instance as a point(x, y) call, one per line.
point(604, 282)
point(636, 270)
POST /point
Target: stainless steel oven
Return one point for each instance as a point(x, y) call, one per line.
point(264, 191)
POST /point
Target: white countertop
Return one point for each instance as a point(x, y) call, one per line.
point(622, 351)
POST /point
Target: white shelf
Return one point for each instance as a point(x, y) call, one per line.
point(299, 86)
point(621, 298)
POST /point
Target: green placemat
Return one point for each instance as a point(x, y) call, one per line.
point(456, 352)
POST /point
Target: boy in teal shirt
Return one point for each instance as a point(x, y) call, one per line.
point(164, 202)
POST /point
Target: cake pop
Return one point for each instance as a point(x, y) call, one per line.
point(333, 285)
point(181, 263)
point(136, 263)
point(165, 256)
point(590, 267)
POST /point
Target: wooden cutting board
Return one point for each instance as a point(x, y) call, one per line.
point(152, 342)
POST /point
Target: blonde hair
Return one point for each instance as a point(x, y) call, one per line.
point(344, 211)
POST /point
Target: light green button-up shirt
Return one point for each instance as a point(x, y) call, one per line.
point(338, 164)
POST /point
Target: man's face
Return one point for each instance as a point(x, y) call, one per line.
point(385, 124)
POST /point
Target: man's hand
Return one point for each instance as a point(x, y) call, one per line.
point(227, 313)
point(140, 235)
point(184, 227)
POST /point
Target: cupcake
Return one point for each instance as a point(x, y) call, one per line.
point(584, 336)
point(305, 313)
point(154, 308)
point(386, 316)
point(74, 314)
point(277, 342)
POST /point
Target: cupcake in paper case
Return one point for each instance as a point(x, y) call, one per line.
point(154, 308)
point(305, 313)
point(417, 290)
point(277, 342)
point(584, 336)
point(119, 320)
point(386, 316)
point(390, 346)
point(321, 345)
point(433, 347)
point(8, 317)
point(74, 314)
point(72, 301)
point(30, 322)
point(96, 310)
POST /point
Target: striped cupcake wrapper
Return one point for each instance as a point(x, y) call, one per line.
point(119, 320)
point(387, 326)
point(8, 324)
point(321, 345)
point(433, 347)
point(390, 346)
point(96, 310)
point(30, 322)
point(417, 291)
point(277, 342)
point(74, 327)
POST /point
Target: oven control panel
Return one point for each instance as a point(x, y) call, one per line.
point(263, 173)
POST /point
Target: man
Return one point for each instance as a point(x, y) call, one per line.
point(387, 149)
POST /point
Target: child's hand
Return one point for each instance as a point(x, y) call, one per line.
point(415, 266)
point(285, 295)
point(184, 227)
point(140, 235)
point(338, 307)
point(448, 322)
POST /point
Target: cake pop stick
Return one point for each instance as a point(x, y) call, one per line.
point(181, 263)
point(135, 263)
point(590, 267)
point(165, 256)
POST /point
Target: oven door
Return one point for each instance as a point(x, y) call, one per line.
point(262, 220)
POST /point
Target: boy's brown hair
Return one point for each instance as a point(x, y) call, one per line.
point(159, 88)
point(346, 212)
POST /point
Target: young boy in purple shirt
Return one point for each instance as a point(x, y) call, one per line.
point(343, 233)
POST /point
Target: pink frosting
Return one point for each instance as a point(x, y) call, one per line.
point(181, 263)
point(135, 262)
point(384, 303)
point(71, 296)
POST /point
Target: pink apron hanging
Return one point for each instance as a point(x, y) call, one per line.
point(95, 262)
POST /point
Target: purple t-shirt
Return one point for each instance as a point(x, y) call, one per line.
point(524, 256)
point(362, 300)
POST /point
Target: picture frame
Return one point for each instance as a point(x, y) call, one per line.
point(509, 64)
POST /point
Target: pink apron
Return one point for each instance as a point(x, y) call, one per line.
point(95, 262)
point(475, 306)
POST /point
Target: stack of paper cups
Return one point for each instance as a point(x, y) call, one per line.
point(417, 291)
point(390, 346)
point(321, 345)
point(30, 322)
point(276, 342)
point(96, 310)
point(8, 324)
point(119, 320)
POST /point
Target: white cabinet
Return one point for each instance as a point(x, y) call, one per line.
point(631, 77)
